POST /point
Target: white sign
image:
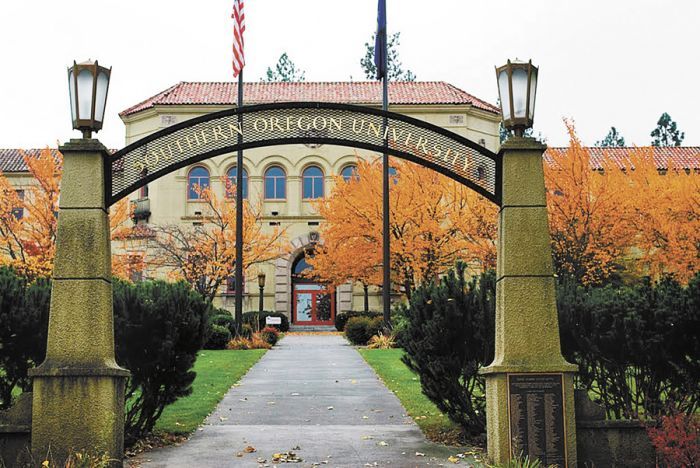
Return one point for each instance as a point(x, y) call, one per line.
point(273, 320)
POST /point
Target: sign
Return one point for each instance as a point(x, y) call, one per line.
point(307, 123)
point(536, 414)
point(273, 320)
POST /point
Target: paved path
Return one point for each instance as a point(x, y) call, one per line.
point(313, 395)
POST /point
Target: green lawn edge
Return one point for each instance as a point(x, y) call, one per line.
point(405, 385)
point(217, 371)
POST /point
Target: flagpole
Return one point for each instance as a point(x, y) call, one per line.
point(386, 239)
point(239, 211)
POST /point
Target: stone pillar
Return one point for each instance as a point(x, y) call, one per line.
point(78, 396)
point(527, 327)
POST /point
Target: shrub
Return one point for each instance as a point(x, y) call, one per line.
point(238, 343)
point(257, 320)
point(677, 442)
point(636, 346)
point(356, 330)
point(381, 341)
point(224, 319)
point(342, 318)
point(159, 328)
point(375, 327)
point(255, 342)
point(246, 331)
point(270, 335)
point(219, 336)
point(449, 337)
point(24, 312)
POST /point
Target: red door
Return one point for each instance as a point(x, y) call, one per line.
point(313, 305)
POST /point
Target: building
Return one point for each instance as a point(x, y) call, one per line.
point(285, 180)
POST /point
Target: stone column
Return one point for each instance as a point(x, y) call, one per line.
point(527, 327)
point(78, 396)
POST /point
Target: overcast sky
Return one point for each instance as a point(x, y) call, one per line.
point(602, 62)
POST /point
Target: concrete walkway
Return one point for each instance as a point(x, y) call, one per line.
point(315, 396)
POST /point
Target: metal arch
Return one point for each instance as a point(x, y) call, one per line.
point(124, 170)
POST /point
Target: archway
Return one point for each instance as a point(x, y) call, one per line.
point(80, 382)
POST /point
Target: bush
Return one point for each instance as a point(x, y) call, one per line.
point(24, 312)
point(356, 330)
point(449, 337)
point(159, 328)
point(225, 319)
point(636, 346)
point(257, 320)
point(246, 331)
point(381, 341)
point(270, 335)
point(677, 442)
point(219, 336)
point(255, 342)
point(342, 318)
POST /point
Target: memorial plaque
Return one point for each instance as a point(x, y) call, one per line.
point(536, 412)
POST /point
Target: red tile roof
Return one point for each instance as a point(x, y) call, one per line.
point(686, 157)
point(11, 159)
point(349, 92)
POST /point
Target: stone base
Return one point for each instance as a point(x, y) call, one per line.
point(498, 422)
point(78, 409)
point(15, 431)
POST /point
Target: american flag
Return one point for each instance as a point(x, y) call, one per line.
point(238, 30)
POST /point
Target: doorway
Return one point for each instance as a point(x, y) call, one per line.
point(313, 303)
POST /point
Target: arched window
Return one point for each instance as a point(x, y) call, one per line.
point(231, 182)
point(349, 172)
point(313, 182)
point(275, 183)
point(197, 179)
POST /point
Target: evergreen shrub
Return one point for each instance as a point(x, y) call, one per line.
point(342, 318)
point(219, 336)
point(24, 312)
point(159, 328)
point(257, 320)
point(357, 330)
point(225, 319)
point(448, 338)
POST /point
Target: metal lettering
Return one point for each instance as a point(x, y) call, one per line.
point(218, 132)
point(255, 125)
point(315, 121)
point(354, 126)
point(337, 123)
point(374, 129)
point(299, 123)
point(421, 143)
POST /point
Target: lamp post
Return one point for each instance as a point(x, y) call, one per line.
point(78, 391)
point(261, 285)
point(517, 88)
point(529, 384)
point(88, 83)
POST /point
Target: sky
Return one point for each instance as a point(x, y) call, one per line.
point(602, 63)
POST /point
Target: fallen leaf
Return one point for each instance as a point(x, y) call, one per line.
point(249, 449)
point(222, 419)
point(366, 437)
point(382, 443)
point(420, 454)
point(330, 408)
point(453, 459)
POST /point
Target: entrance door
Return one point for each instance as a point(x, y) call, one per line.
point(313, 305)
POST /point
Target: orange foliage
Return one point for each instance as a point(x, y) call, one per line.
point(603, 222)
point(28, 243)
point(429, 231)
point(205, 255)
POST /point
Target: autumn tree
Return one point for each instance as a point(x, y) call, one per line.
point(429, 221)
point(395, 69)
point(665, 208)
point(28, 219)
point(205, 255)
point(285, 70)
point(588, 214)
point(666, 132)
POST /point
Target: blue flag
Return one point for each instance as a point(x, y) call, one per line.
point(380, 42)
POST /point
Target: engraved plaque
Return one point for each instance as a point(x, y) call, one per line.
point(536, 412)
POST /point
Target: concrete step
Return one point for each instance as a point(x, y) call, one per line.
point(312, 328)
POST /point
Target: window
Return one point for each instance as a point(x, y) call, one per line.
point(313, 182)
point(143, 191)
point(231, 182)
point(275, 183)
point(197, 179)
point(231, 285)
point(349, 172)
point(18, 211)
point(393, 175)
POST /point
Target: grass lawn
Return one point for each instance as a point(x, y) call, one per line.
point(216, 371)
point(405, 385)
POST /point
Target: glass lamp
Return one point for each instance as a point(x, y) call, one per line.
point(517, 88)
point(88, 83)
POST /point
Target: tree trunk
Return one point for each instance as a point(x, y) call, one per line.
point(366, 290)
